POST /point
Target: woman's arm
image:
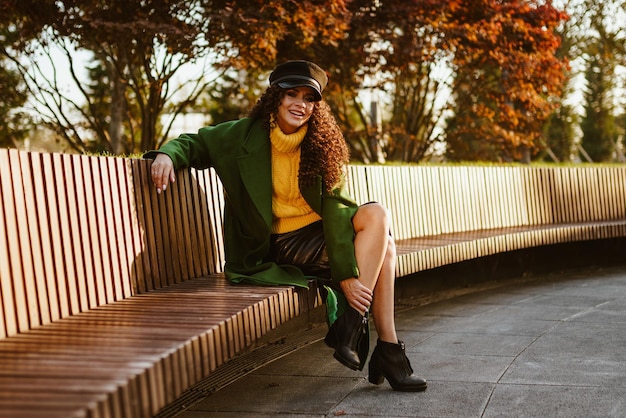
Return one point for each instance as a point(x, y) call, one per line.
point(196, 150)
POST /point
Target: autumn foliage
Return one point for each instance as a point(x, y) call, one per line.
point(507, 72)
point(504, 76)
point(500, 56)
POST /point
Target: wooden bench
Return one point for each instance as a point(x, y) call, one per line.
point(445, 215)
point(98, 315)
point(113, 300)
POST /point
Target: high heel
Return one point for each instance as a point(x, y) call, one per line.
point(349, 337)
point(390, 361)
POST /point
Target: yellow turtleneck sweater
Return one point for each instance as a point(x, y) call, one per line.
point(290, 210)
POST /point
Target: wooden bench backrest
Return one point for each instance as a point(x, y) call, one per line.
point(426, 201)
point(77, 232)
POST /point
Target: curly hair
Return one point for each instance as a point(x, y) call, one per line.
point(324, 149)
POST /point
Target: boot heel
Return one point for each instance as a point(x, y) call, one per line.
point(375, 375)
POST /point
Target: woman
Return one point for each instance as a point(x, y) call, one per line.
point(287, 218)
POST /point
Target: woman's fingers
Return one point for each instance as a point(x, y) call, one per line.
point(162, 172)
point(358, 295)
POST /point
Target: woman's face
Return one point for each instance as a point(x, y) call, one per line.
point(295, 109)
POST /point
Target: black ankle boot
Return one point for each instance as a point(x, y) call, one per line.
point(349, 336)
point(389, 360)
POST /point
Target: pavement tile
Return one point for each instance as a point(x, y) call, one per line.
point(556, 401)
point(459, 368)
point(313, 360)
point(544, 312)
point(543, 369)
point(498, 296)
point(580, 340)
point(451, 308)
point(474, 344)
point(441, 399)
point(492, 323)
point(567, 300)
point(280, 394)
point(610, 312)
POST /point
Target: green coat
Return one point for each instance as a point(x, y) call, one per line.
point(240, 152)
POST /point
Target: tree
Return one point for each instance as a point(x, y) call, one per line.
point(142, 45)
point(395, 49)
point(506, 73)
point(503, 52)
point(234, 96)
point(559, 130)
point(598, 123)
point(392, 50)
point(13, 121)
point(412, 55)
point(603, 48)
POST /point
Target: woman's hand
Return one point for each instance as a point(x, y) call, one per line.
point(358, 295)
point(162, 172)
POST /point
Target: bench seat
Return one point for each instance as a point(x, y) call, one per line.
point(429, 252)
point(132, 357)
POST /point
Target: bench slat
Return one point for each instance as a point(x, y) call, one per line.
point(34, 285)
point(146, 265)
point(116, 239)
point(9, 324)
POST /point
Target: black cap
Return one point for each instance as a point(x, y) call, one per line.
point(292, 74)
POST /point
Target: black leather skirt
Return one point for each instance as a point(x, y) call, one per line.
point(304, 248)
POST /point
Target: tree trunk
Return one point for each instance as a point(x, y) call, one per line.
point(117, 113)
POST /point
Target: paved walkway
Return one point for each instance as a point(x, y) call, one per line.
point(555, 347)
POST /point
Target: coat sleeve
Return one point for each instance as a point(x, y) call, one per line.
point(338, 209)
point(197, 149)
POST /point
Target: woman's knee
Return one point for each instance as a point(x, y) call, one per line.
point(372, 214)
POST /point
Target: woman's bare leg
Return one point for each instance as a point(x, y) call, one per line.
point(376, 258)
point(376, 254)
